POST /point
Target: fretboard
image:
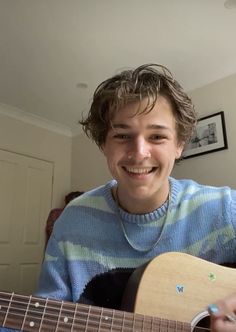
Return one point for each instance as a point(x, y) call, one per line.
point(30, 313)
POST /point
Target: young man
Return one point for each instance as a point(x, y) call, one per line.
point(141, 120)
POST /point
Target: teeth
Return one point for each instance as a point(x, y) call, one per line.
point(139, 170)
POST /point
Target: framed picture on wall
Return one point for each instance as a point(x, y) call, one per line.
point(209, 136)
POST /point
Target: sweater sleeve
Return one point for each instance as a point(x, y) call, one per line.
point(54, 281)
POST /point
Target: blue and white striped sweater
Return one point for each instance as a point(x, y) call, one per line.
point(88, 242)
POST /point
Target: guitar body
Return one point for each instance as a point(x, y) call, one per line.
point(170, 293)
point(177, 286)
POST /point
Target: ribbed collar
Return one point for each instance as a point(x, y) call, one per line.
point(141, 218)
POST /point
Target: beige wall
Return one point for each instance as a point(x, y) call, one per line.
point(216, 168)
point(89, 167)
point(20, 137)
point(80, 165)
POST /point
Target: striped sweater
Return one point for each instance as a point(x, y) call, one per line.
point(88, 258)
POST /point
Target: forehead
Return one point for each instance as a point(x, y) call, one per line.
point(161, 114)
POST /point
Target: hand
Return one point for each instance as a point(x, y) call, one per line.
point(223, 317)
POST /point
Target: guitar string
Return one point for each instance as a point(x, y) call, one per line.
point(130, 328)
point(75, 306)
point(127, 328)
point(85, 307)
point(152, 326)
point(97, 317)
point(81, 306)
point(152, 319)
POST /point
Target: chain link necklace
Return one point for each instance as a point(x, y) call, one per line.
point(133, 245)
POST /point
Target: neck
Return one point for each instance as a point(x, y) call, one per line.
point(139, 205)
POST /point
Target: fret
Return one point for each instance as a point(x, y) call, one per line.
point(137, 323)
point(51, 315)
point(181, 327)
point(58, 318)
point(33, 319)
point(66, 317)
point(112, 319)
point(23, 323)
point(106, 320)
point(164, 325)
point(144, 323)
point(147, 324)
point(91, 318)
point(128, 322)
point(40, 326)
point(5, 320)
point(156, 324)
point(186, 327)
point(73, 321)
point(87, 319)
point(171, 326)
point(120, 319)
point(4, 300)
point(93, 321)
point(5, 306)
point(116, 320)
point(15, 313)
point(100, 320)
point(151, 319)
point(123, 322)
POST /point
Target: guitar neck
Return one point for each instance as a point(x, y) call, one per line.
point(30, 313)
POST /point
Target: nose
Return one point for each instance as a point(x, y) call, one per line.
point(139, 149)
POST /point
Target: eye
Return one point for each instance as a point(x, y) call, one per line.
point(157, 137)
point(122, 136)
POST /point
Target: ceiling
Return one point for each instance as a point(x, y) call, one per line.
point(49, 46)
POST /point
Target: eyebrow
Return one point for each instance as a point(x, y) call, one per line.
point(151, 126)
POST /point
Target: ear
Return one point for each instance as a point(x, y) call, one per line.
point(103, 149)
point(179, 150)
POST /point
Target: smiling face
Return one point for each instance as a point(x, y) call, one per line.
point(141, 151)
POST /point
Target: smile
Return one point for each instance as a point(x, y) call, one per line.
point(140, 170)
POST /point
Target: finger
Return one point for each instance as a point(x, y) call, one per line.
point(225, 307)
point(222, 318)
point(221, 325)
point(222, 310)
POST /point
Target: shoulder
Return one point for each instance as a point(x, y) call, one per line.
point(97, 196)
point(84, 210)
point(191, 188)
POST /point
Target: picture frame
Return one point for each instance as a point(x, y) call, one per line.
point(209, 136)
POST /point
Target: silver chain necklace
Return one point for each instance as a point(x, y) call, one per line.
point(135, 246)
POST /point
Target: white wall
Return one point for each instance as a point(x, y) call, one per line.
point(20, 137)
point(216, 168)
point(89, 168)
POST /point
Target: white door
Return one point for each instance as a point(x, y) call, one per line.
point(25, 201)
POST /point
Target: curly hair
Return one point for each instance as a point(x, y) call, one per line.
point(145, 82)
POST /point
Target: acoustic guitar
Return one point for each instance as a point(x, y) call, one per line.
point(169, 294)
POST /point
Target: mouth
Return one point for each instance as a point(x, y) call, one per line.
point(139, 170)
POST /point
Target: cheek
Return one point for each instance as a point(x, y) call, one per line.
point(112, 166)
point(111, 158)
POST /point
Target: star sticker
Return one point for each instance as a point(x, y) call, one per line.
point(212, 276)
